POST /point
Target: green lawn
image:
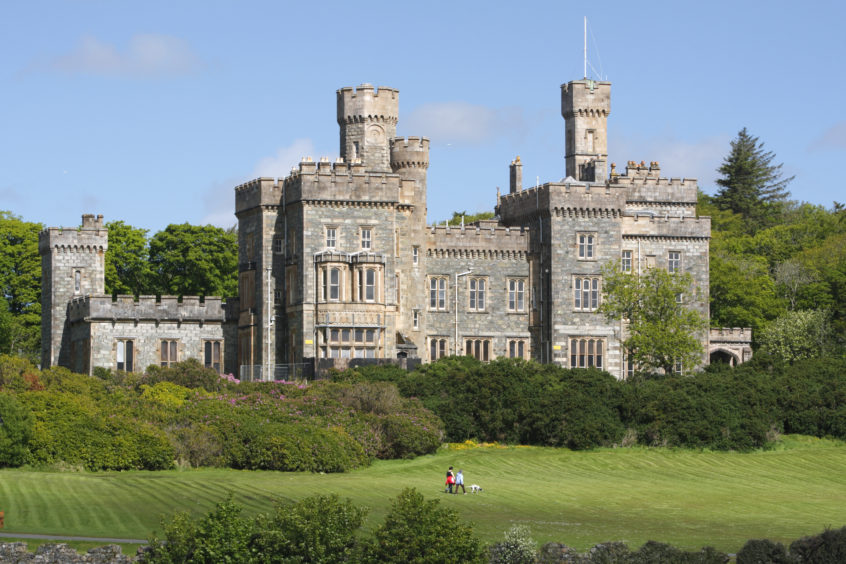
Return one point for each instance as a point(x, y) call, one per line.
point(689, 499)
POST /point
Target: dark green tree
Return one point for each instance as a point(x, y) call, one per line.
point(127, 260)
point(663, 331)
point(751, 184)
point(193, 260)
point(16, 428)
point(417, 531)
point(457, 217)
point(20, 284)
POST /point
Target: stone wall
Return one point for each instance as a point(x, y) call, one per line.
point(60, 553)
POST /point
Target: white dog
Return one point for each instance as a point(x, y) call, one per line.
point(475, 488)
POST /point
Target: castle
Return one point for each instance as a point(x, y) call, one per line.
point(337, 263)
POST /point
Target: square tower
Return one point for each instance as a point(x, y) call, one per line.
point(585, 105)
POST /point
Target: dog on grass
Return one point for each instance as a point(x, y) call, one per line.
point(475, 488)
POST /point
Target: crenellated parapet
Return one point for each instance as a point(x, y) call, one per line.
point(563, 200)
point(731, 335)
point(91, 237)
point(365, 102)
point(146, 308)
point(485, 239)
point(368, 121)
point(666, 227)
point(259, 192)
point(409, 152)
point(644, 184)
point(341, 182)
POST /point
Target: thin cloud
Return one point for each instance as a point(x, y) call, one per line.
point(681, 159)
point(146, 55)
point(833, 138)
point(461, 122)
point(219, 206)
point(286, 158)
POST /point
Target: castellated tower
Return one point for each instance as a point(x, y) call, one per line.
point(585, 105)
point(410, 160)
point(368, 121)
point(73, 264)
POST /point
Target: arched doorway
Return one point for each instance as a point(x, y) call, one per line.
point(722, 356)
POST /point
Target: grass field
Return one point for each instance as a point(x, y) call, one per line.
point(689, 499)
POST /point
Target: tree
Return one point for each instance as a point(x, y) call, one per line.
point(459, 217)
point(194, 260)
point(663, 332)
point(127, 260)
point(417, 531)
point(319, 529)
point(20, 283)
point(798, 335)
point(751, 185)
point(743, 294)
point(16, 429)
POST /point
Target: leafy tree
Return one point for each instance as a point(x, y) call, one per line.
point(20, 284)
point(797, 335)
point(418, 531)
point(743, 294)
point(127, 260)
point(751, 184)
point(222, 535)
point(663, 331)
point(194, 260)
point(318, 529)
point(16, 428)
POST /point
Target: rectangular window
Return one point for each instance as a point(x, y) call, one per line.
point(334, 335)
point(332, 284)
point(477, 294)
point(630, 365)
point(480, 349)
point(516, 348)
point(126, 355)
point(77, 281)
point(415, 319)
point(585, 293)
point(586, 352)
point(674, 262)
point(586, 245)
point(626, 261)
point(277, 296)
point(437, 348)
point(369, 285)
point(516, 294)
point(277, 245)
point(359, 335)
point(366, 241)
point(437, 293)
point(415, 255)
point(330, 237)
point(169, 350)
point(211, 355)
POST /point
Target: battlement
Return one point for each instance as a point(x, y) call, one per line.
point(667, 226)
point(586, 98)
point(571, 198)
point(644, 184)
point(128, 308)
point(92, 236)
point(731, 335)
point(409, 152)
point(365, 101)
point(480, 236)
point(258, 192)
point(340, 180)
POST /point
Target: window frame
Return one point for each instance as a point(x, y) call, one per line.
point(330, 236)
point(587, 351)
point(479, 348)
point(586, 245)
point(216, 347)
point(674, 261)
point(516, 289)
point(366, 238)
point(590, 295)
point(477, 293)
point(517, 348)
point(626, 262)
point(438, 293)
point(168, 348)
point(128, 357)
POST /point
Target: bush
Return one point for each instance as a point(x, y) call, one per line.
point(16, 430)
point(189, 374)
point(828, 547)
point(418, 531)
point(763, 551)
point(318, 529)
point(517, 548)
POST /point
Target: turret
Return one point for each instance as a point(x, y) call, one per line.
point(585, 105)
point(72, 265)
point(410, 159)
point(368, 121)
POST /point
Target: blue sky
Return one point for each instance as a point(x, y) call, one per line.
point(151, 112)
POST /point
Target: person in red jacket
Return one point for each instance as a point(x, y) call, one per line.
point(450, 480)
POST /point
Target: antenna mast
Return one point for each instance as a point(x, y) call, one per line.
point(585, 46)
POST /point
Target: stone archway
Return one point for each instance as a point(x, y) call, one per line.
point(723, 356)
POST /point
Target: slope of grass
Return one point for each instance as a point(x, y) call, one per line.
point(689, 499)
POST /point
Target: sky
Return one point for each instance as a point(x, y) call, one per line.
point(152, 112)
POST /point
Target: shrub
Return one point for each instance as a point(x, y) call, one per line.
point(318, 529)
point(407, 436)
point(758, 551)
point(222, 535)
point(189, 373)
point(16, 430)
point(197, 445)
point(517, 548)
point(418, 531)
point(828, 547)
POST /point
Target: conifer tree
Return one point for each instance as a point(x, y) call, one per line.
point(751, 185)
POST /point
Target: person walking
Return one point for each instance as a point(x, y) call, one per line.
point(450, 480)
point(459, 481)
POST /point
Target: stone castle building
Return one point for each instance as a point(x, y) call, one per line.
point(337, 262)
